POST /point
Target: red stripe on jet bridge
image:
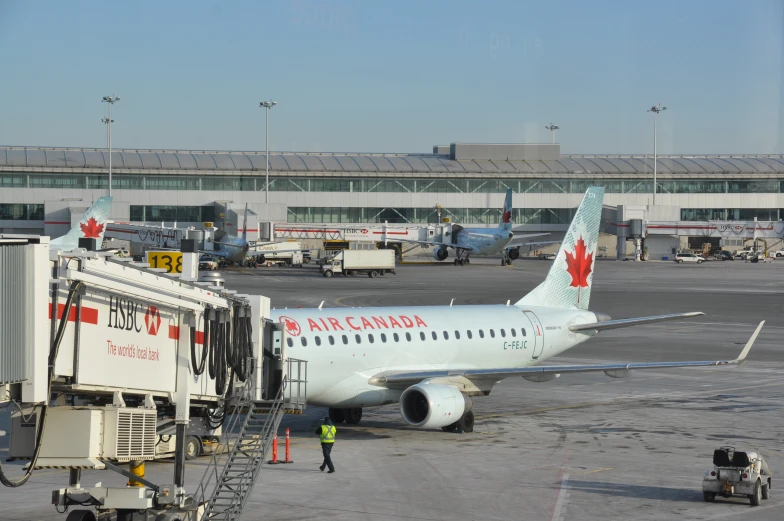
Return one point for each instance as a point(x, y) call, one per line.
point(174, 333)
point(56, 222)
point(390, 233)
point(88, 315)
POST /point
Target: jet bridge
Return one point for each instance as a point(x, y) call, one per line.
point(96, 346)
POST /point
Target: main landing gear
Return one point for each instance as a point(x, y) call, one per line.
point(505, 261)
point(351, 415)
point(464, 424)
point(462, 258)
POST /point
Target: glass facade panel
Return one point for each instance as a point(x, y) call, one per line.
point(172, 213)
point(482, 184)
point(21, 212)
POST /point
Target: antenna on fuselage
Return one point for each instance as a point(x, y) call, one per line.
point(507, 302)
point(322, 303)
point(451, 302)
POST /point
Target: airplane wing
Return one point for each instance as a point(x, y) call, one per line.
point(457, 246)
point(404, 379)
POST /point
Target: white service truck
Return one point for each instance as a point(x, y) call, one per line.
point(354, 262)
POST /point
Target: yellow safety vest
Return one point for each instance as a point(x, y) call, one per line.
point(328, 433)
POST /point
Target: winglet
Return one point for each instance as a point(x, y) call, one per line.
point(741, 360)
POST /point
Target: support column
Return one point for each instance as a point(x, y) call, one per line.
point(620, 248)
point(182, 400)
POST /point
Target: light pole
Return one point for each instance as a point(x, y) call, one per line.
point(655, 109)
point(552, 128)
point(267, 105)
point(111, 100)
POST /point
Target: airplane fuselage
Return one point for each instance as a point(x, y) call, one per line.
point(485, 241)
point(344, 348)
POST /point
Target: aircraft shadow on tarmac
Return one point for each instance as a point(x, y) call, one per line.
point(647, 492)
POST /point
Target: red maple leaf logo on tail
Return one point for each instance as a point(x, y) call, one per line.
point(92, 230)
point(506, 217)
point(579, 266)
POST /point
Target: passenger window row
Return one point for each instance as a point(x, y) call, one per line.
point(396, 337)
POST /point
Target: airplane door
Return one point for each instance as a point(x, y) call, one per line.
point(537, 334)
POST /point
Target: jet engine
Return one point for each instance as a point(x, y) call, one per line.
point(440, 254)
point(431, 406)
point(514, 253)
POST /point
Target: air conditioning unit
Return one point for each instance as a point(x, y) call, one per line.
point(85, 436)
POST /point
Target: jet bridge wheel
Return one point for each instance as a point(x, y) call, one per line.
point(81, 515)
point(192, 448)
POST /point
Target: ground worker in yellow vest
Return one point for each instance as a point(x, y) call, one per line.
point(326, 433)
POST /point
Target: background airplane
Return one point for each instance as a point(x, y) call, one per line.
point(484, 241)
point(92, 225)
point(432, 360)
point(237, 249)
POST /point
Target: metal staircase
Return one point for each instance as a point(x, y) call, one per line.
point(235, 465)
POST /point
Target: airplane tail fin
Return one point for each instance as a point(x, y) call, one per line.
point(92, 225)
point(245, 224)
point(506, 216)
point(568, 283)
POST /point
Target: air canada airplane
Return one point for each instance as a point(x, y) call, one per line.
point(92, 225)
point(433, 360)
point(237, 249)
point(484, 241)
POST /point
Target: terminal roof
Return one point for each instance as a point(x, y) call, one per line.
point(44, 158)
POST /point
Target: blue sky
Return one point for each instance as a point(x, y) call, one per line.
point(395, 76)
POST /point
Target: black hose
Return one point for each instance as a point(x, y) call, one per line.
point(55, 348)
point(213, 342)
point(199, 368)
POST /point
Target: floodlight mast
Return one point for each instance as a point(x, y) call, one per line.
point(656, 109)
point(111, 100)
point(267, 105)
point(552, 128)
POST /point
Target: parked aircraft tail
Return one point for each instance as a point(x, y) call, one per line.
point(506, 216)
point(568, 283)
point(92, 225)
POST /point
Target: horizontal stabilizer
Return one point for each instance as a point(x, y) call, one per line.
point(628, 322)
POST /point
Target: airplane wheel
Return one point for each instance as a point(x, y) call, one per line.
point(452, 427)
point(353, 415)
point(508, 263)
point(503, 262)
point(461, 262)
point(337, 415)
point(468, 261)
point(456, 262)
point(466, 423)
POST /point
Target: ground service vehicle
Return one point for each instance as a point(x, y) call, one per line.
point(737, 474)
point(680, 258)
point(723, 255)
point(777, 254)
point(354, 262)
point(208, 263)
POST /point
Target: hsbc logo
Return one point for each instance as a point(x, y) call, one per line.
point(126, 314)
point(152, 319)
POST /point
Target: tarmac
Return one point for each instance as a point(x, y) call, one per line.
point(583, 447)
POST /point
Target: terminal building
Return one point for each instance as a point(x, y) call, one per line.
point(44, 189)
